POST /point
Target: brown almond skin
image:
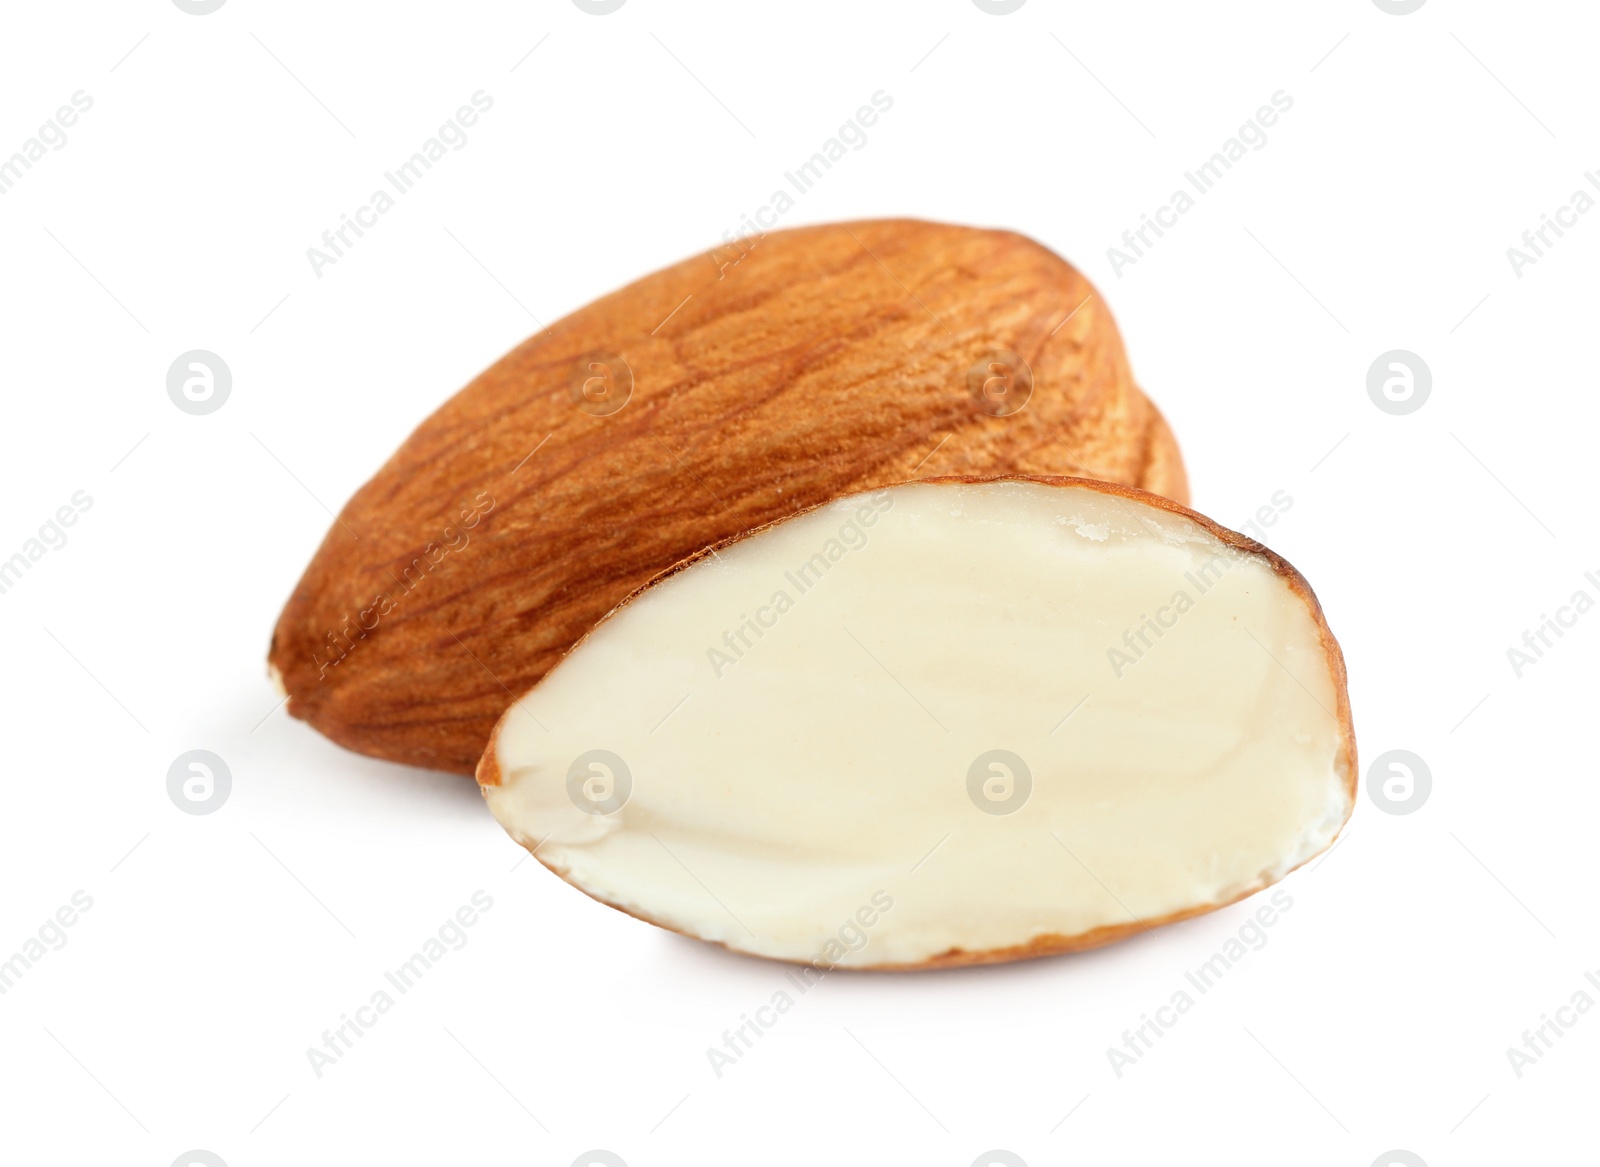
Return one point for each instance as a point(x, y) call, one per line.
point(767, 377)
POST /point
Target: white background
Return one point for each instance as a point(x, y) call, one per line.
point(220, 947)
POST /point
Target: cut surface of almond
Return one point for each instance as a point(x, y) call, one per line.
point(940, 723)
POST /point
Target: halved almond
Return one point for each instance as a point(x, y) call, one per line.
point(940, 723)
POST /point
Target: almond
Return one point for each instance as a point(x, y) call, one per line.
point(949, 722)
point(723, 393)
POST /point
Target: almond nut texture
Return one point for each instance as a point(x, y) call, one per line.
point(947, 722)
point(731, 390)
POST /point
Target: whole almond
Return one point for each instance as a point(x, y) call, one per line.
point(729, 391)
